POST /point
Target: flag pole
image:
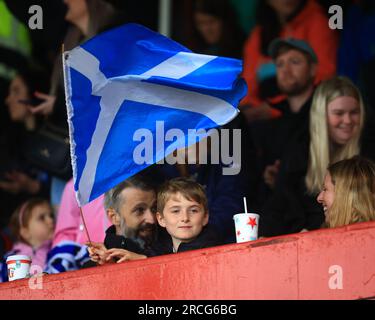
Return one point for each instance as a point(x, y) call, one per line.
point(80, 209)
point(84, 226)
point(165, 17)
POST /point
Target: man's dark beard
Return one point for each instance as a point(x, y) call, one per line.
point(297, 89)
point(151, 228)
point(141, 241)
point(134, 234)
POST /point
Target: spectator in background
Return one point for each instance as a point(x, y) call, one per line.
point(336, 123)
point(300, 19)
point(348, 194)
point(296, 65)
point(216, 29)
point(15, 50)
point(18, 177)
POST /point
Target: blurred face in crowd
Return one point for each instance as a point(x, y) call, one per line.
point(295, 73)
point(18, 91)
point(41, 225)
point(138, 209)
point(184, 219)
point(210, 27)
point(77, 10)
point(284, 8)
point(344, 115)
point(327, 195)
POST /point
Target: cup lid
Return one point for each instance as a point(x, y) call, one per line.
point(246, 213)
point(18, 257)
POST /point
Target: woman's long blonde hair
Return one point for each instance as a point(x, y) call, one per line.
point(320, 153)
point(354, 181)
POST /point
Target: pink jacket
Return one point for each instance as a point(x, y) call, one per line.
point(69, 224)
point(38, 255)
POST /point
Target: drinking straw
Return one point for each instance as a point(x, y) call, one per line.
point(245, 204)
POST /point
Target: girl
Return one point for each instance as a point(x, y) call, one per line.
point(33, 225)
point(348, 194)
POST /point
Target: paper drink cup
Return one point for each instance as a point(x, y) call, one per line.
point(246, 225)
point(18, 267)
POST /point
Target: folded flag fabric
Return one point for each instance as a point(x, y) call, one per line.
point(131, 78)
point(66, 256)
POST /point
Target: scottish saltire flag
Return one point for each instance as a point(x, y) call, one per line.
point(131, 78)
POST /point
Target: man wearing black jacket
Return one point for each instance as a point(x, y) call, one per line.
point(131, 207)
point(296, 64)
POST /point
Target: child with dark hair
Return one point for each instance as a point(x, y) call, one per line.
point(33, 225)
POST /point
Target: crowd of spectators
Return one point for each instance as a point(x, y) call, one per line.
point(306, 123)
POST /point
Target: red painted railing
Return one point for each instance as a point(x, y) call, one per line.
point(324, 264)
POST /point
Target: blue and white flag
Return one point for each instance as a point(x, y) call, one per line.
point(130, 78)
point(66, 256)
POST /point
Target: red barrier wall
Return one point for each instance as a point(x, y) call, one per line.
point(290, 267)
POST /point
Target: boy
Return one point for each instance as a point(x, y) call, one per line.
point(182, 210)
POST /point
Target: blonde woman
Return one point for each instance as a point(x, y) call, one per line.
point(336, 123)
point(348, 194)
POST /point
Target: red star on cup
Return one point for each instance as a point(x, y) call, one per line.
point(238, 232)
point(252, 222)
